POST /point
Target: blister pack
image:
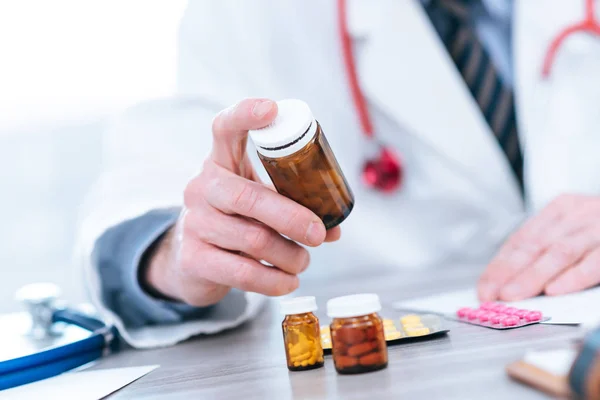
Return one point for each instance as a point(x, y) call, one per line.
point(498, 316)
point(408, 327)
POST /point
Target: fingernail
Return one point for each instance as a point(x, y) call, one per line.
point(261, 109)
point(511, 291)
point(314, 234)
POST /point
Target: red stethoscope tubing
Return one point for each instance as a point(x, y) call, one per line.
point(348, 53)
point(589, 24)
point(384, 172)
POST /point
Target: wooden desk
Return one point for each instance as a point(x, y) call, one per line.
point(249, 362)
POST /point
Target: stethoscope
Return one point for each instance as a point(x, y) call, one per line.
point(47, 321)
point(384, 172)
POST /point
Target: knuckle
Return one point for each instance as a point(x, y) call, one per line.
point(299, 261)
point(244, 200)
point(294, 219)
point(190, 192)
point(564, 252)
point(258, 239)
point(303, 259)
point(244, 276)
point(201, 294)
point(219, 121)
point(199, 225)
point(530, 245)
point(285, 286)
point(215, 184)
point(196, 189)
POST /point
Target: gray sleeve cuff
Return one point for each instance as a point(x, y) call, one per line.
point(118, 254)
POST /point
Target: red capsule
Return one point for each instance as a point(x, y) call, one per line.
point(533, 316)
point(485, 317)
point(499, 308)
point(511, 320)
point(463, 312)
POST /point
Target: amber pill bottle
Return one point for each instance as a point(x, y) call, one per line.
point(301, 334)
point(295, 152)
point(357, 336)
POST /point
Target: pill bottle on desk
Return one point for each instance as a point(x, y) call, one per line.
point(294, 151)
point(357, 335)
point(301, 334)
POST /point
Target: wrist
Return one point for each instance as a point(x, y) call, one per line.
point(152, 273)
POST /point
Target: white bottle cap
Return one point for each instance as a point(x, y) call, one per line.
point(298, 305)
point(293, 127)
point(355, 305)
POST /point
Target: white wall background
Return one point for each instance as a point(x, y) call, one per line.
point(64, 66)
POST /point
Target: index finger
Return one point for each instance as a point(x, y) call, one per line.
point(233, 194)
point(230, 130)
point(520, 251)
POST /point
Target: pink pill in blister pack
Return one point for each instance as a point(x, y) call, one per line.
point(486, 316)
point(533, 316)
point(521, 313)
point(463, 312)
point(511, 320)
point(497, 319)
point(499, 308)
point(510, 311)
point(499, 316)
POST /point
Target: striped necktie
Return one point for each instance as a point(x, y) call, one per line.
point(494, 98)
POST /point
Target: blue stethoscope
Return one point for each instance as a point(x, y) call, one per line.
point(48, 322)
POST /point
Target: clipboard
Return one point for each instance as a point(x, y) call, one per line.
point(556, 386)
point(569, 372)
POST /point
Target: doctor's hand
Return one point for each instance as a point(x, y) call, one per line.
point(556, 252)
point(231, 220)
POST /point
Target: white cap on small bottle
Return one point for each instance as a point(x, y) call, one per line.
point(293, 127)
point(355, 305)
point(298, 305)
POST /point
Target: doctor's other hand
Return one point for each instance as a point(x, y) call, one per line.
point(555, 252)
point(231, 220)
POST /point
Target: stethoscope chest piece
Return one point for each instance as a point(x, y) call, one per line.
point(40, 300)
point(52, 339)
point(383, 172)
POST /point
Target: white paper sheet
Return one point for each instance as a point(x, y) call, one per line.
point(557, 361)
point(576, 308)
point(86, 385)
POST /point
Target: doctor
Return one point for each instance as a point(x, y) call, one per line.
point(500, 166)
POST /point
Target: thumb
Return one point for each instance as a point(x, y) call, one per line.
point(230, 130)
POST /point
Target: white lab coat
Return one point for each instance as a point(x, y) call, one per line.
point(459, 198)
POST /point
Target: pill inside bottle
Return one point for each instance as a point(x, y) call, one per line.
point(357, 334)
point(301, 334)
point(296, 155)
